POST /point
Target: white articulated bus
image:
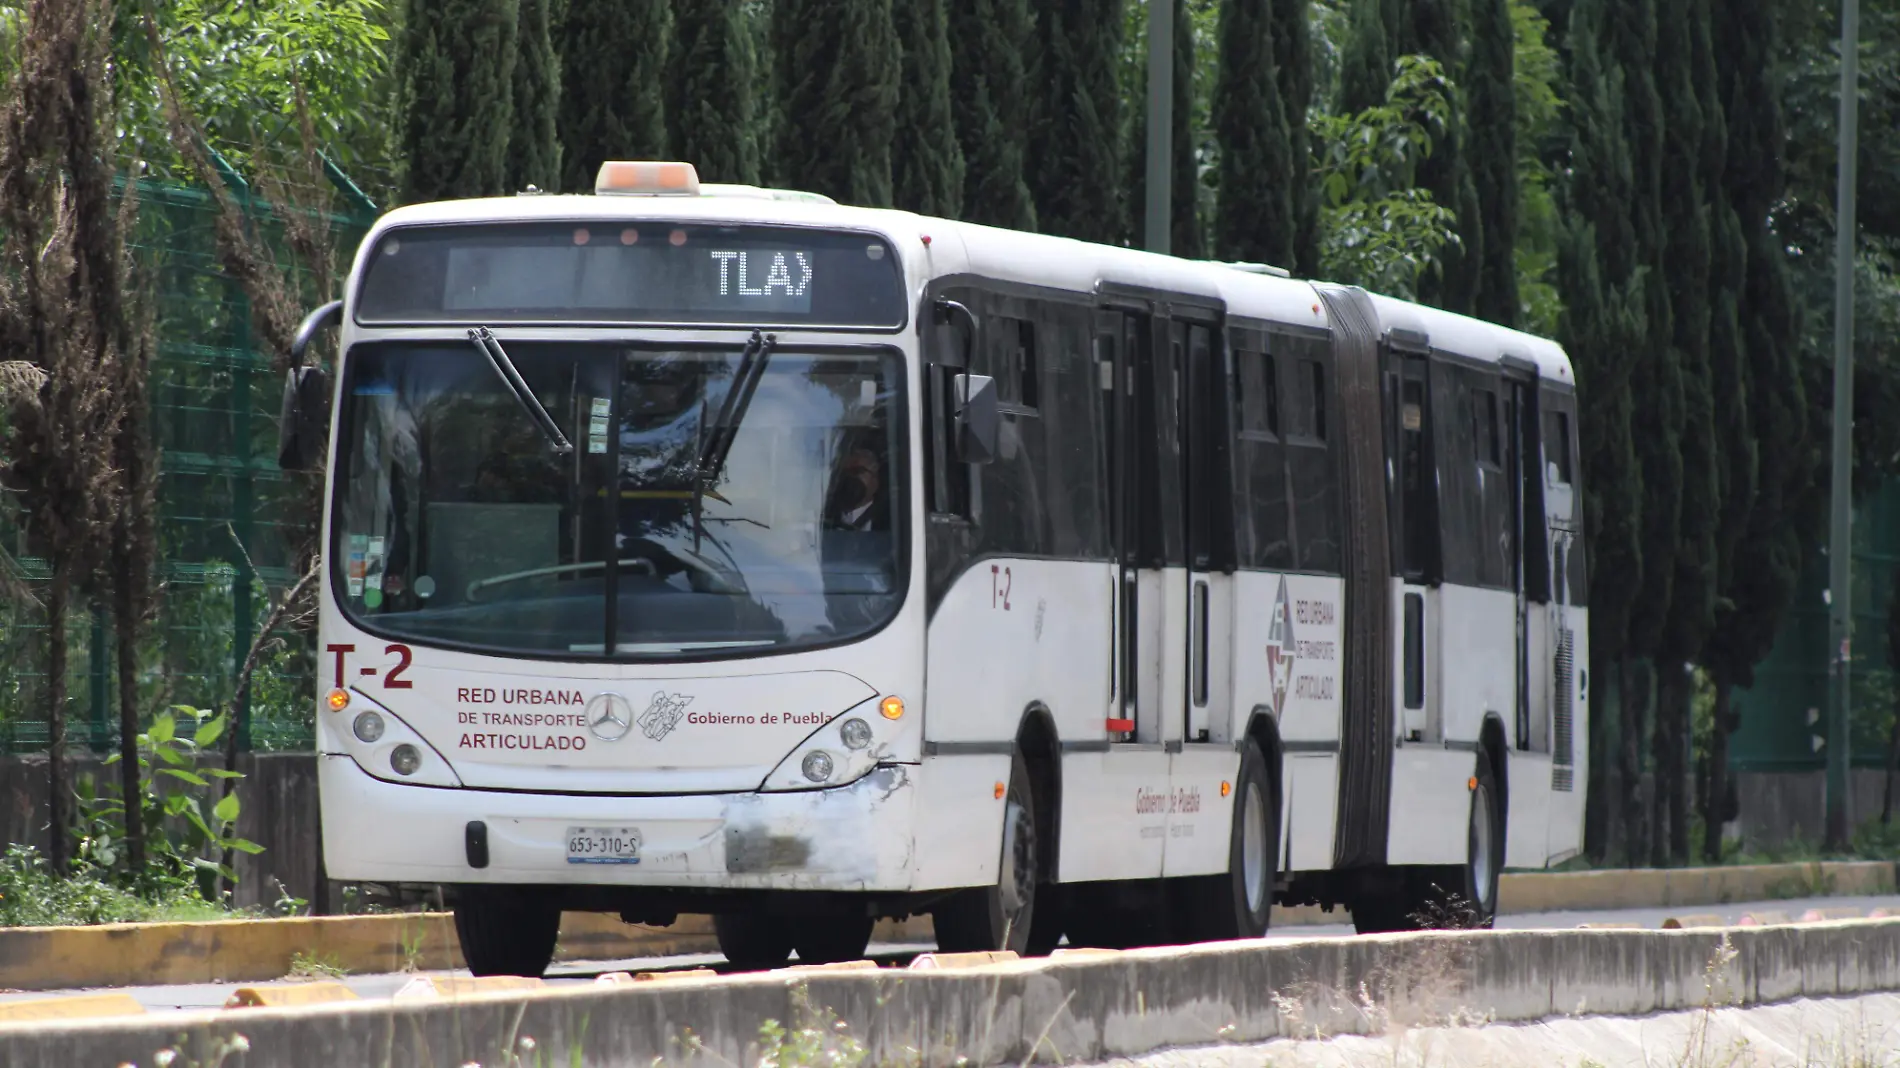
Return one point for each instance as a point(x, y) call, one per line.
point(707, 549)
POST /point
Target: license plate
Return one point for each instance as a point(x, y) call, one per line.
point(603, 845)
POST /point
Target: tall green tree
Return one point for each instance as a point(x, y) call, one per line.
point(1077, 144)
point(1257, 214)
point(1434, 28)
point(613, 73)
point(927, 169)
point(713, 90)
point(1365, 62)
point(1685, 70)
point(1491, 119)
point(838, 67)
point(1293, 66)
point(1602, 326)
point(534, 149)
point(455, 64)
point(990, 87)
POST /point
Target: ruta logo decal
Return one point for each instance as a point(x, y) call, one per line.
point(663, 714)
point(1280, 647)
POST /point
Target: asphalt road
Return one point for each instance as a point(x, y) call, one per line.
point(213, 995)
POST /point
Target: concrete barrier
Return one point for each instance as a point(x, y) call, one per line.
point(56, 958)
point(1056, 1010)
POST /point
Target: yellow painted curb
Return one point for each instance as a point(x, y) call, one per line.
point(1698, 919)
point(1524, 892)
point(85, 1006)
point(288, 995)
point(461, 986)
point(934, 961)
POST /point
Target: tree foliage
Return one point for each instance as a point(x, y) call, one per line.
point(989, 84)
point(927, 167)
point(534, 146)
point(1258, 214)
point(838, 70)
point(1077, 143)
point(613, 71)
point(712, 81)
point(455, 63)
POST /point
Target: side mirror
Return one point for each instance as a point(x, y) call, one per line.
point(978, 419)
point(303, 429)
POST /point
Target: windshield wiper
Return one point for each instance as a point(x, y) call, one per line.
point(717, 444)
point(484, 340)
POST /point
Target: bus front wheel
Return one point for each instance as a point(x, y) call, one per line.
point(1239, 902)
point(1000, 916)
point(505, 930)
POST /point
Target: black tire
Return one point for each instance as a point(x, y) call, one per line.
point(1484, 850)
point(754, 940)
point(505, 931)
point(981, 918)
point(830, 939)
point(1239, 902)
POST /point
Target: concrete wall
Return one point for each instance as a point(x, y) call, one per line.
point(1780, 806)
point(1085, 1006)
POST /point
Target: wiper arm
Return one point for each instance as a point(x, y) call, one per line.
point(484, 340)
point(725, 426)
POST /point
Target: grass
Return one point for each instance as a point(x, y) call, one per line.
point(314, 966)
point(31, 895)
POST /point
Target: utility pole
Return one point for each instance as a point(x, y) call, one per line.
point(1840, 549)
point(1161, 123)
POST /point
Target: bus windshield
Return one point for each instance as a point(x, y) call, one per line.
point(719, 501)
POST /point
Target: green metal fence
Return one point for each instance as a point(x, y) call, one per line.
point(230, 521)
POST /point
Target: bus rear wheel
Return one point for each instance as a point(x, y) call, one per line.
point(754, 940)
point(1000, 916)
point(506, 931)
point(1239, 903)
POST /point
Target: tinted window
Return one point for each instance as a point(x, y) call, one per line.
point(1264, 514)
point(1312, 472)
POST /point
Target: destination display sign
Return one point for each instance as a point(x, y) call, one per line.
point(631, 272)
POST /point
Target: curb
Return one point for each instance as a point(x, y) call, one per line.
point(1085, 1007)
point(59, 958)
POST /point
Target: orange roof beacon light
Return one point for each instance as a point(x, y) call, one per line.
point(641, 178)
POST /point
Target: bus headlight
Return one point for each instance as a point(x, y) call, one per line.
point(837, 754)
point(817, 765)
point(368, 727)
point(405, 759)
point(385, 747)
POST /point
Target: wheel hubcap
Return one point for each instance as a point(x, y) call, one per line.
point(1253, 848)
point(1019, 883)
point(1483, 863)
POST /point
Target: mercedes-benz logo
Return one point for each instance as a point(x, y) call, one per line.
point(609, 716)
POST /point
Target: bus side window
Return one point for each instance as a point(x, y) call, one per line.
point(1264, 510)
point(1312, 474)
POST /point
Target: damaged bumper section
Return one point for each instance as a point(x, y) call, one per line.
point(856, 837)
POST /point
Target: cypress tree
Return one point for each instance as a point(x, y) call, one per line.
point(1434, 29)
point(1293, 64)
point(712, 96)
point(838, 68)
point(1686, 71)
point(1492, 123)
point(1256, 216)
point(926, 160)
point(1602, 327)
point(1767, 557)
point(989, 85)
point(1077, 143)
point(1365, 62)
point(455, 65)
point(534, 151)
point(613, 60)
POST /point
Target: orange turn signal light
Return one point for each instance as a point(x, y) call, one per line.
point(1226, 788)
point(1000, 791)
point(338, 700)
point(1472, 783)
point(892, 707)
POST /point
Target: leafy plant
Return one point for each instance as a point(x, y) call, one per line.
point(186, 831)
point(1378, 229)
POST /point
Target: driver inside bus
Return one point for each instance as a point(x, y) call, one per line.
point(856, 501)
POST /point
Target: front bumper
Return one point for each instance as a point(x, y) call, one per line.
point(857, 837)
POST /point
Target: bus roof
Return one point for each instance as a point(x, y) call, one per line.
point(1014, 256)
